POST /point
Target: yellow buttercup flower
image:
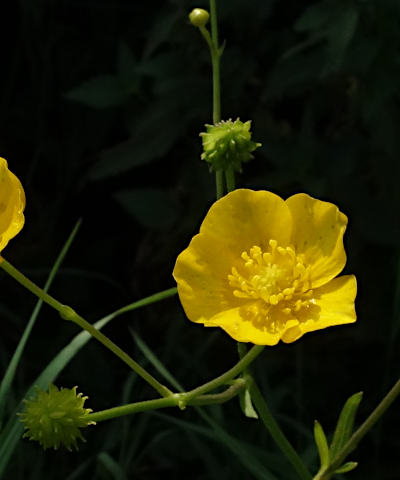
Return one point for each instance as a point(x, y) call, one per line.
point(265, 269)
point(12, 204)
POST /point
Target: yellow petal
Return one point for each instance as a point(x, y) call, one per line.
point(12, 204)
point(201, 272)
point(245, 218)
point(242, 330)
point(233, 224)
point(334, 305)
point(318, 229)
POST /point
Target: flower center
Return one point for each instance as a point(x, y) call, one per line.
point(276, 276)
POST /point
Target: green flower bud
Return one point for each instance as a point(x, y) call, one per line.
point(199, 17)
point(227, 145)
point(54, 418)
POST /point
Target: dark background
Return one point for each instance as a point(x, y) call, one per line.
point(101, 104)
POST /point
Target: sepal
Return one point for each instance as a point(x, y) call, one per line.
point(246, 404)
point(322, 444)
point(346, 467)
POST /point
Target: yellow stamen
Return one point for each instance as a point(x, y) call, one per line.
point(274, 278)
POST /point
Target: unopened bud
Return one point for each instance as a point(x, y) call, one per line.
point(199, 17)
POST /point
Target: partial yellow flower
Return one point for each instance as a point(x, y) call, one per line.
point(264, 269)
point(12, 204)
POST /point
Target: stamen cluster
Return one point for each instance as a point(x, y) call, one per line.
point(274, 278)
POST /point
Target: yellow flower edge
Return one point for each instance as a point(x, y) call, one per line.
point(12, 204)
point(264, 269)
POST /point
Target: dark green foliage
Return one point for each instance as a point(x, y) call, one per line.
point(101, 105)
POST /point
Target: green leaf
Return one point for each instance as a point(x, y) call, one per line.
point(334, 22)
point(347, 467)
point(151, 207)
point(161, 30)
point(154, 133)
point(126, 62)
point(99, 92)
point(111, 466)
point(314, 17)
point(152, 358)
point(247, 405)
point(322, 444)
point(127, 69)
point(345, 424)
point(340, 34)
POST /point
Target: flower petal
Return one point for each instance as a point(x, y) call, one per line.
point(233, 224)
point(334, 305)
point(201, 273)
point(12, 204)
point(242, 330)
point(318, 229)
point(245, 218)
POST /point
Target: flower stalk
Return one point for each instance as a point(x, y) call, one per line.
point(215, 59)
point(229, 375)
point(216, 81)
point(215, 53)
point(67, 313)
point(178, 399)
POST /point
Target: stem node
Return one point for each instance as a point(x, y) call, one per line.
point(67, 313)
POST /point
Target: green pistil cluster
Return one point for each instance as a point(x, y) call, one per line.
point(54, 418)
point(227, 145)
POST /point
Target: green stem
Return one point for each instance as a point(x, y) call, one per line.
point(156, 297)
point(175, 400)
point(212, 399)
point(242, 364)
point(215, 52)
point(269, 421)
point(230, 179)
point(242, 349)
point(277, 433)
point(216, 80)
point(131, 408)
point(215, 59)
point(219, 182)
point(354, 440)
point(68, 313)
